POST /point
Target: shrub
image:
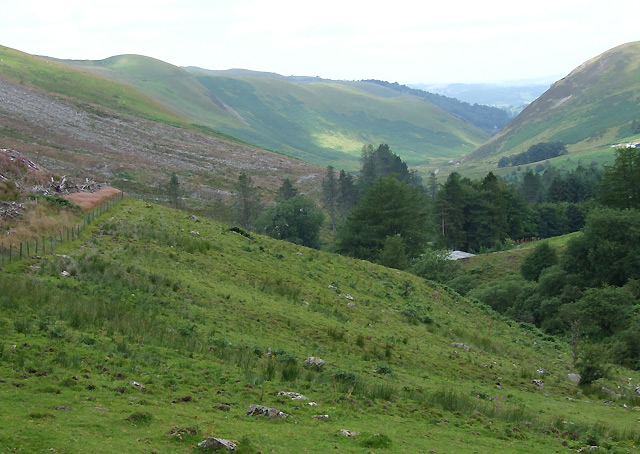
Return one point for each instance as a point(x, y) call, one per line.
point(591, 364)
point(543, 256)
point(376, 441)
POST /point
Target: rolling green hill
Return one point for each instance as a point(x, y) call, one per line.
point(51, 76)
point(320, 121)
point(164, 330)
point(326, 122)
point(589, 110)
point(170, 85)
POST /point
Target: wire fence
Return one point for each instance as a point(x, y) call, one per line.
point(13, 251)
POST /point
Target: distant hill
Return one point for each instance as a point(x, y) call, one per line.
point(489, 119)
point(317, 120)
point(511, 96)
point(593, 107)
point(80, 124)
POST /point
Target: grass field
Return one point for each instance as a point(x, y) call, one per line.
point(208, 320)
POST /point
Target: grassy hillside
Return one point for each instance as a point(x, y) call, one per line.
point(327, 122)
point(57, 78)
point(170, 85)
point(592, 108)
point(320, 121)
point(167, 329)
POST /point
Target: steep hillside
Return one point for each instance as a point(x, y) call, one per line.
point(170, 85)
point(163, 331)
point(327, 122)
point(592, 108)
point(82, 127)
point(320, 121)
point(53, 77)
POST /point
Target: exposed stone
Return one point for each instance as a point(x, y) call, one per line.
point(65, 274)
point(260, 410)
point(538, 383)
point(321, 416)
point(348, 433)
point(332, 287)
point(193, 218)
point(347, 296)
point(292, 395)
point(610, 391)
point(638, 389)
point(213, 443)
point(574, 377)
point(62, 407)
point(313, 361)
point(460, 345)
point(137, 385)
point(194, 232)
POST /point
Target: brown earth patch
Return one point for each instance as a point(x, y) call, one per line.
point(90, 200)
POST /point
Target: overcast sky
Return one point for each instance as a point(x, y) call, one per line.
point(401, 40)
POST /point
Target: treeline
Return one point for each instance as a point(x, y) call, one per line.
point(487, 118)
point(535, 153)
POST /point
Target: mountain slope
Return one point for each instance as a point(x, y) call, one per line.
point(157, 337)
point(78, 124)
point(172, 86)
point(593, 107)
point(320, 121)
point(324, 121)
point(56, 78)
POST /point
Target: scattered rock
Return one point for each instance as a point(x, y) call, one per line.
point(313, 361)
point(62, 407)
point(212, 443)
point(574, 377)
point(292, 395)
point(137, 385)
point(348, 433)
point(460, 345)
point(312, 404)
point(347, 296)
point(193, 218)
point(260, 410)
point(321, 416)
point(65, 274)
point(610, 391)
point(194, 232)
point(351, 304)
point(332, 287)
point(542, 371)
point(98, 409)
point(538, 383)
point(638, 389)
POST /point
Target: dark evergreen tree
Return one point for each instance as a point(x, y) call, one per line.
point(286, 191)
point(347, 194)
point(246, 204)
point(330, 195)
point(620, 186)
point(173, 191)
point(382, 162)
point(387, 209)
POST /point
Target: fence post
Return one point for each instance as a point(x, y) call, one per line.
point(28, 252)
